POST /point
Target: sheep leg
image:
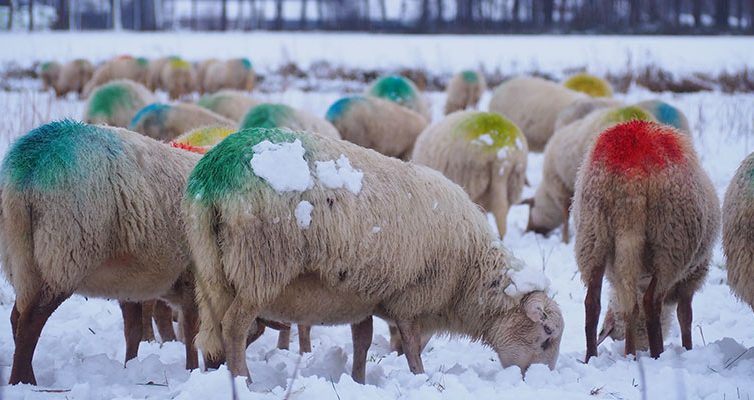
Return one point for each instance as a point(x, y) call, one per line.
point(163, 316)
point(29, 324)
point(304, 338)
point(566, 219)
point(592, 307)
point(361, 334)
point(652, 311)
point(395, 340)
point(190, 322)
point(411, 340)
point(132, 328)
point(284, 339)
point(236, 325)
point(630, 320)
point(254, 335)
point(14, 314)
point(685, 316)
point(147, 310)
point(499, 209)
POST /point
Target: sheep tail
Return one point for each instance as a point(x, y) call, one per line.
point(630, 246)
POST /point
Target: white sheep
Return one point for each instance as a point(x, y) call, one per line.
point(464, 91)
point(273, 115)
point(231, 104)
point(117, 102)
point(738, 239)
point(168, 121)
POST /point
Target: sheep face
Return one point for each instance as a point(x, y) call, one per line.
point(530, 334)
point(543, 213)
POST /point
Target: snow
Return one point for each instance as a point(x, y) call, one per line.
point(524, 278)
point(282, 165)
point(81, 350)
point(304, 214)
point(339, 174)
point(485, 139)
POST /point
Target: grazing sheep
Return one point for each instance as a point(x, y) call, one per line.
point(666, 114)
point(464, 91)
point(49, 72)
point(644, 210)
point(231, 104)
point(589, 84)
point(269, 115)
point(399, 90)
point(154, 72)
point(581, 108)
point(364, 235)
point(117, 102)
point(73, 76)
point(614, 326)
point(738, 235)
point(93, 210)
point(533, 104)
point(167, 121)
point(123, 67)
point(231, 74)
point(201, 72)
point(178, 78)
point(482, 152)
point(200, 140)
point(377, 124)
point(564, 153)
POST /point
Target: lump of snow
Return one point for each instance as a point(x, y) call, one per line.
point(304, 214)
point(485, 139)
point(282, 165)
point(524, 279)
point(376, 229)
point(339, 174)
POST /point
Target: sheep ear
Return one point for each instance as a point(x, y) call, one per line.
point(529, 202)
point(534, 308)
point(607, 327)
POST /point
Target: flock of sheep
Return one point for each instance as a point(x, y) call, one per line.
point(244, 215)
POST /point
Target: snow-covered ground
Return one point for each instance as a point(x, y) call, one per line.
point(438, 53)
point(81, 351)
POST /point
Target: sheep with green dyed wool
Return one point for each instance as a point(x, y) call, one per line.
point(117, 102)
point(231, 104)
point(399, 90)
point(272, 115)
point(236, 73)
point(464, 91)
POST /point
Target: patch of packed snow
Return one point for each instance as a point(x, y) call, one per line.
point(339, 174)
point(376, 229)
point(282, 165)
point(485, 139)
point(304, 214)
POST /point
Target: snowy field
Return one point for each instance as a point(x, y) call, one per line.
point(81, 351)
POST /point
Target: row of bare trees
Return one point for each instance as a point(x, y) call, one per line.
point(420, 16)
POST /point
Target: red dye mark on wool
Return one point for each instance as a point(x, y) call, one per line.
point(188, 147)
point(638, 148)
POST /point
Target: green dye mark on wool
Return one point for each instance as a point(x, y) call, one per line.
point(590, 85)
point(46, 66)
point(246, 63)
point(470, 76)
point(631, 113)
point(142, 61)
point(108, 98)
point(394, 88)
point(58, 154)
point(226, 169)
point(211, 101)
point(491, 129)
point(267, 115)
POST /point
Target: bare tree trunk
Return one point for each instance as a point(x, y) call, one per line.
point(383, 11)
point(678, 4)
point(11, 9)
point(440, 20)
point(302, 19)
point(722, 11)
point(71, 14)
point(278, 14)
point(563, 9)
point(116, 22)
point(515, 11)
point(224, 15)
point(61, 8)
point(31, 15)
point(548, 9)
point(697, 11)
point(634, 15)
point(424, 16)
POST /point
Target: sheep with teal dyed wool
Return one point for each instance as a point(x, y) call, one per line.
point(551, 204)
point(122, 67)
point(167, 121)
point(272, 115)
point(117, 102)
point(236, 73)
point(49, 72)
point(400, 90)
point(482, 152)
point(667, 114)
point(105, 222)
point(377, 124)
point(464, 91)
point(231, 104)
point(364, 235)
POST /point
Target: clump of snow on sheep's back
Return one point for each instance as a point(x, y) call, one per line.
point(492, 131)
point(339, 174)
point(524, 279)
point(282, 166)
point(303, 214)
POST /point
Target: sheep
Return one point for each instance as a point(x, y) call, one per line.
point(167, 121)
point(162, 314)
point(400, 90)
point(644, 210)
point(49, 73)
point(666, 114)
point(154, 70)
point(581, 108)
point(372, 236)
point(614, 326)
point(73, 76)
point(533, 104)
point(550, 206)
point(178, 78)
point(230, 74)
point(270, 115)
point(123, 67)
point(116, 102)
point(201, 72)
point(201, 139)
point(464, 91)
point(377, 124)
point(93, 210)
point(589, 84)
point(231, 104)
point(737, 232)
point(482, 152)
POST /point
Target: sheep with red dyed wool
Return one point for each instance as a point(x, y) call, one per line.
point(644, 209)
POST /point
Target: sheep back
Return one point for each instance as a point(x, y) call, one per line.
point(270, 115)
point(117, 102)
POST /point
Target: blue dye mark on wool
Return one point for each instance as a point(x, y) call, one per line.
point(246, 63)
point(155, 111)
point(339, 108)
point(668, 115)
